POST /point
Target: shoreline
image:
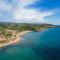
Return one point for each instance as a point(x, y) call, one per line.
point(18, 38)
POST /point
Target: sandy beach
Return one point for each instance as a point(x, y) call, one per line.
point(18, 38)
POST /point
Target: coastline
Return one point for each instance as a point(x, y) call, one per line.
point(16, 40)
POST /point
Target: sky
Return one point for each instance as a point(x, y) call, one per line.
point(30, 11)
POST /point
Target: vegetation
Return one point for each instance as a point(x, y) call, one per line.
point(8, 31)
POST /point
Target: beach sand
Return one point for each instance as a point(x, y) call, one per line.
point(18, 39)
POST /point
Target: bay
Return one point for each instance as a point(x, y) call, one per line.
point(44, 45)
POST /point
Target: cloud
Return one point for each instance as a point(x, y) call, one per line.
point(25, 14)
point(4, 6)
point(22, 14)
point(26, 2)
point(30, 14)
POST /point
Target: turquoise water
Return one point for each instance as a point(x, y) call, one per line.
point(43, 45)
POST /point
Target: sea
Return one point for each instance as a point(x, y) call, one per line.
point(43, 45)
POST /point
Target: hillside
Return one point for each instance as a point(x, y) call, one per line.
point(9, 31)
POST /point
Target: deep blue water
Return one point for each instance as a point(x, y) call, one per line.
point(44, 45)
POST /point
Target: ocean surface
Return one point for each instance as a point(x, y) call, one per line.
point(44, 45)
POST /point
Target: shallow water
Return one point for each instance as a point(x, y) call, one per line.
point(44, 45)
